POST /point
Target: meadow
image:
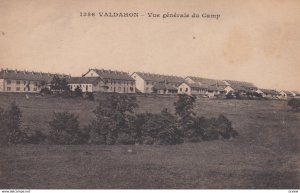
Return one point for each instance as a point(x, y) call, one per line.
point(264, 155)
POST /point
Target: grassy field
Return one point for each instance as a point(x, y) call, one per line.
point(264, 155)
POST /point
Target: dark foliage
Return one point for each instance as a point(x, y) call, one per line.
point(113, 118)
point(37, 138)
point(10, 125)
point(158, 128)
point(59, 84)
point(294, 103)
point(45, 91)
point(116, 123)
point(78, 92)
point(184, 110)
point(64, 129)
point(89, 96)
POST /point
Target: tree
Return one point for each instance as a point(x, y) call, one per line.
point(184, 109)
point(294, 104)
point(10, 125)
point(59, 84)
point(184, 106)
point(64, 128)
point(78, 91)
point(113, 117)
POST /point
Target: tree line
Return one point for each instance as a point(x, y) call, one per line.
point(116, 122)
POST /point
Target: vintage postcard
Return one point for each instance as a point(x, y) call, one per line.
point(149, 94)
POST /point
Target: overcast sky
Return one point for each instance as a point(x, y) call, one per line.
point(256, 41)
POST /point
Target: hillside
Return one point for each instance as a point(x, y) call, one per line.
point(264, 155)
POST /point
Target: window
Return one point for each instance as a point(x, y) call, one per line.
point(24, 82)
point(18, 82)
point(18, 89)
point(24, 89)
point(180, 89)
point(86, 88)
point(186, 89)
point(8, 89)
point(34, 89)
point(8, 81)
point(147, 82)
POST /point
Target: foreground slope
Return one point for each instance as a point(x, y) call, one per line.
point(264, 155)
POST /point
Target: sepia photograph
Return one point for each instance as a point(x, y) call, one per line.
point(149, 94)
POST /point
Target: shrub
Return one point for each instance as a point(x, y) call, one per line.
point(59, 84)
point(10, 125)
point(45, 91)
point(78, 92)
point(158, 128)
point(116, 123)
point(37, 138)
point(184, 106)
point(113, 117)
point(64, 129)
point(224, 127)
point(184, 110)
point(213, 128)
point(294, 104)
point(89, 96)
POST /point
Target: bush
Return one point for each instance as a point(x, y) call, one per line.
point(10, 125)
point(294, 104)
point(89, 96)
point(114, 116)
point(116, 123)
point(224, 127)
point(64, 129)
point(45, 91)
point(78, 92)
point(158, 128)
point(37, 138)
point(184, 110)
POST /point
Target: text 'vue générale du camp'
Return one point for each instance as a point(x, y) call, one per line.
point(150, 15)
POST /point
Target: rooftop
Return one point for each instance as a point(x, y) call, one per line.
point(112, 74)
point(28, 75)
point(160, 78)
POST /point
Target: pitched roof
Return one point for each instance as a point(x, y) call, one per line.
point(241, 84)
point(164, 86)
point(26, 75)
point(112, 74)
point(207, 81)
point(287, 92)
point(237, 88)
point(196, 85)
point(215, 88)
point(160, 78)
point(83, 80)
point(268, 91)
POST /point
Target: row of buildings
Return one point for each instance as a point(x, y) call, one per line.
point(100, 80)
